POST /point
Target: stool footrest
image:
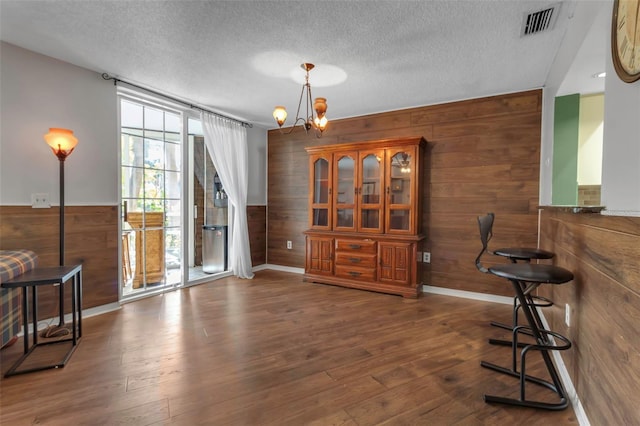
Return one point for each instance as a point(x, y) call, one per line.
point(543, 346)
point(564, 403)
point(533, 379)
point(546, 342)
point(501, 342)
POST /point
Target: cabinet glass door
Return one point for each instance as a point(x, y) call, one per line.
point(320, 193)
point(345, 183)
point(370, 192)
point(401, 175)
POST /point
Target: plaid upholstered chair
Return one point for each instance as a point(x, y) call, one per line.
point(12, 264)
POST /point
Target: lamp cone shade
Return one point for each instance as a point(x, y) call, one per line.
point(320, 105)
point(61, 141)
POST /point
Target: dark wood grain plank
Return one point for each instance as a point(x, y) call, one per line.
point(604, 299)
point(277, 351)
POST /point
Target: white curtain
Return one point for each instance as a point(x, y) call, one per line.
point(226, 141)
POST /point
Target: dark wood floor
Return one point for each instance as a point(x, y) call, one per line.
point(275, 350)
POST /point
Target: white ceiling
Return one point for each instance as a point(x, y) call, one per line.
point(237, 57)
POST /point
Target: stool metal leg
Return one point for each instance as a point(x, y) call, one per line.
point(543, 345)
point(34, 313)
point(25, 318)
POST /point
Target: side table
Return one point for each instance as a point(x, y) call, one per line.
point(47, 276)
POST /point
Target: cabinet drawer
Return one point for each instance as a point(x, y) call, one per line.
point(356, 259)
point(356, 273)
point(360, 246)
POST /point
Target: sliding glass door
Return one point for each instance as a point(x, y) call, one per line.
point(151, 160)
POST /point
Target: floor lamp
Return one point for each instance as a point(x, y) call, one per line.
point(62, 143)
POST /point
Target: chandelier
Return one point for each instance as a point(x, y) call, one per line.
point(317, 121)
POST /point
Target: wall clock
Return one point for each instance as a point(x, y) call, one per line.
point(625, 39)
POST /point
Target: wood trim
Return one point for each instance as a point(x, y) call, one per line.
point(373, 145)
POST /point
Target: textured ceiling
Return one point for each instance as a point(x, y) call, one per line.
point(238, 57)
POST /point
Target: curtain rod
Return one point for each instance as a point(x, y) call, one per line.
point(106, 76)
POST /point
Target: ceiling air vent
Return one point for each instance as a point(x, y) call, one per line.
point(542, 20)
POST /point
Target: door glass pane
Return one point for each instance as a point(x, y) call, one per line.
point(153, 119)
point(173, 216)
point(153, 183)
point(370, 218)
point(132, 182)
point(401, 165)
point(345, 180)
point(321, 181)
point(132, 147)
point(131, 116)
point(320, 217)
point(172, 155)
point(371, 185)
point(153, 151)
point(345, 218)
point(172, 184)
point(399, 219)
point(173, 254)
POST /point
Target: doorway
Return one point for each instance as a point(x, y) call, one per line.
point(208, 231)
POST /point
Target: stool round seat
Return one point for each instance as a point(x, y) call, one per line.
point(523, 253)
point(527, 272)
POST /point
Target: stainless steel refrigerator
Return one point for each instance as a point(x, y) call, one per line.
point(214, 248)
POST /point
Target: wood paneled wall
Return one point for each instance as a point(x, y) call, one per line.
point(603, 252)
point(91, 238)
point(257, 223)
point(483, 155)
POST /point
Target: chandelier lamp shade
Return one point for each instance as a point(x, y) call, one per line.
point(315, 117)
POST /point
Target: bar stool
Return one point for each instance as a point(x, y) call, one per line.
point(525, 278)
point(515, 255)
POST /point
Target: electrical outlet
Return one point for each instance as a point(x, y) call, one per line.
point(40, 201)
point(289, 245)
point(426, 257)
point(567, 315)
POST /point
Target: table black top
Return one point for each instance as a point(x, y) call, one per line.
point(42, 276)
point(524, 253)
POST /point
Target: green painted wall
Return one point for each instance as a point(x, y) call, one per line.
point(566, 128)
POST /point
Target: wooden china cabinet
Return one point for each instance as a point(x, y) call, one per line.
point(365, 215)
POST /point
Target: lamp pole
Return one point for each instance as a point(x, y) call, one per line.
point(62, 143)
point(61, 158)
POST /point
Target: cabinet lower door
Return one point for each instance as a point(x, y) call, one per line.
point(319, 256)
point(395, 263)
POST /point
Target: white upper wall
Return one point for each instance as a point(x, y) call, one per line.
point(39, 92)
point(257, 150)
point(621, 146)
